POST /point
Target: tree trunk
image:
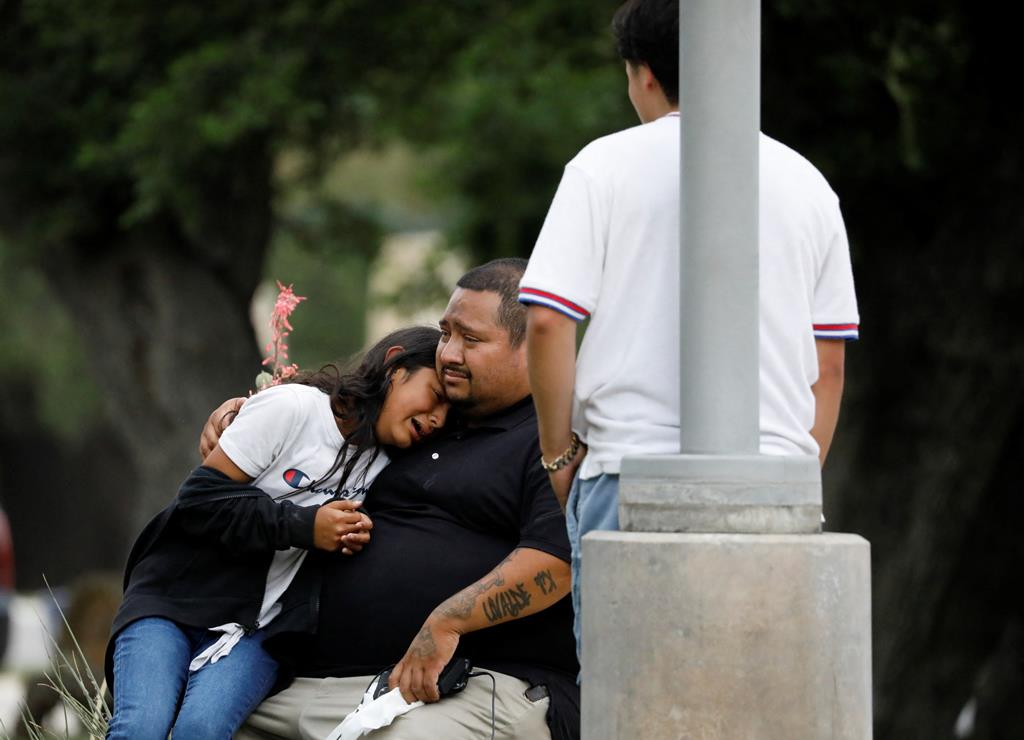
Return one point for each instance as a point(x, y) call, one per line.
point(169, 339)
point(927, 468)
point(910, 119)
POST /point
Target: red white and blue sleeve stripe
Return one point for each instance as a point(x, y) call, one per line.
point(562, 305)
point(849, 332)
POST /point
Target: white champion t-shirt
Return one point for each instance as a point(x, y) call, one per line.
point(286, 438)
point(609, 251)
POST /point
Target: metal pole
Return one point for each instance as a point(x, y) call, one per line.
point(719, 86)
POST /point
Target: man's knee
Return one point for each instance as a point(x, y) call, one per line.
point(247, 732)
point(412, 729)
point(269, 721)
point(451, 718)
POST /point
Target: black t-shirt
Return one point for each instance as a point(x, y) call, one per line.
point(445, 513)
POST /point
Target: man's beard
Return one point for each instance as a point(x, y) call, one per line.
point(467, 403)
point(463, 404)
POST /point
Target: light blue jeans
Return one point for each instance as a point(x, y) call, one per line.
point(155, 693)
point(593, 505)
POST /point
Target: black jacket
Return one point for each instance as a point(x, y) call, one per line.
point(203, 560)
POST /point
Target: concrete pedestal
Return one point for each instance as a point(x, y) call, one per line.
point(758, 494)
point(726, 636)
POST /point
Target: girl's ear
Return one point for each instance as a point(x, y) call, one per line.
point(396, 373)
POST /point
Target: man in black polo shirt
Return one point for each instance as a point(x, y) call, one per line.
point(469, 558)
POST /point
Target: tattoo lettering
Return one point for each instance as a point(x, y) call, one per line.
point(507, 603)
point(545, 582)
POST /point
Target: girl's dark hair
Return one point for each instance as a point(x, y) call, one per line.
point(358, 392)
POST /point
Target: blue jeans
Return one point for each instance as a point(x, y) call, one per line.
point(155, 693)
point(593, 505)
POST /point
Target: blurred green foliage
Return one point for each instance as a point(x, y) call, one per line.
point(128, 109)
point(526, 87)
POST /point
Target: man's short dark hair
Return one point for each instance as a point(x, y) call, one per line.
point(502, 276)
point(648, 31)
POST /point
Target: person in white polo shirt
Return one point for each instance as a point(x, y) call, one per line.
point(609, 252)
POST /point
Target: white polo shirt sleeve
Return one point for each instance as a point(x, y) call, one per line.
point(834, 312)
point(566, 268)
point(255, 438)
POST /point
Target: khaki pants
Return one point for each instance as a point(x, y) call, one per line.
point(311, 707)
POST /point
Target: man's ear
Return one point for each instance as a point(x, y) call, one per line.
point(647, 78)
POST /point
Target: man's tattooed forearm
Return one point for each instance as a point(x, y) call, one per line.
point(545, 582)
point(508, 603)
point(461, 605)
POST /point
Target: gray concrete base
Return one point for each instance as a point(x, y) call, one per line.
point(720, 493)
point(726, 637)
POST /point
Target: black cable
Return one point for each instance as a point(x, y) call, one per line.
point(494, 694)
point(383, 671)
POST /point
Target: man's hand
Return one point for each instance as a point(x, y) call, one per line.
point(338, 526)
point(417, 672)
point(524, 583)
point(561, 480)
point(216, 424)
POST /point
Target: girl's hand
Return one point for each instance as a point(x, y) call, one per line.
point(338, 526)
point(358, 539)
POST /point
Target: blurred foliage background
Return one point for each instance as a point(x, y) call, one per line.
point(162, 163)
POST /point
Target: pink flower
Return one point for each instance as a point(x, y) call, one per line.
point(277, 347)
